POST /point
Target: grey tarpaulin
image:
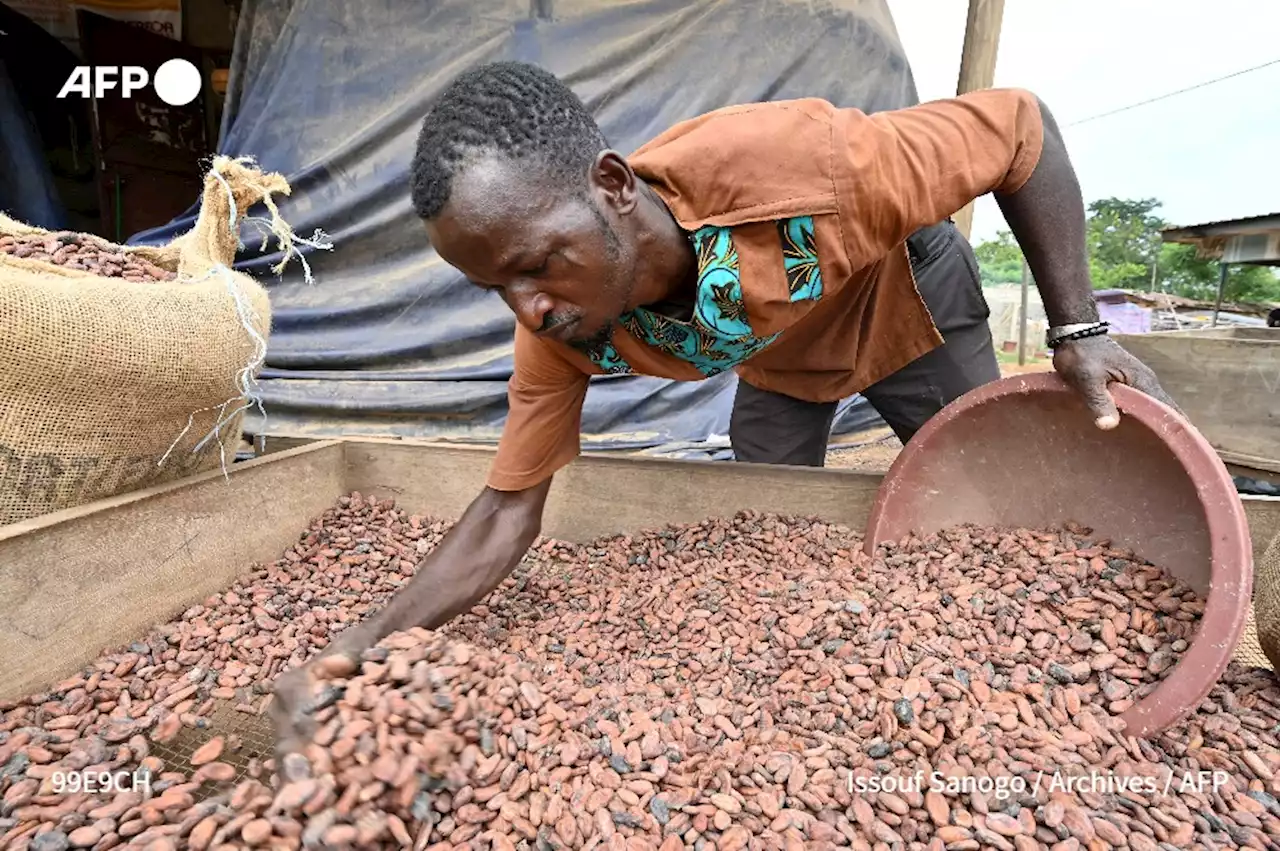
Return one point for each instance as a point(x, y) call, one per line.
point(389, 339)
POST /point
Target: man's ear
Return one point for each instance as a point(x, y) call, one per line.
point(613, 181)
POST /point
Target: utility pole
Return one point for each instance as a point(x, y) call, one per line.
point(978, 67)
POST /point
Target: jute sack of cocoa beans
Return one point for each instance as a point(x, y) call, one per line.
point(127, 367)
point(1265, 621)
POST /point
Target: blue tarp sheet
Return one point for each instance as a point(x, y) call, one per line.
point(389, 340)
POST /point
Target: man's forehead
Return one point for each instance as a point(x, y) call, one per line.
point(489, 191)
point(491, 220)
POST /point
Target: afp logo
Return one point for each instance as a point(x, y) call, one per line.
point(177, 82)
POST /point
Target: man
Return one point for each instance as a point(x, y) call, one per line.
point(804, 246)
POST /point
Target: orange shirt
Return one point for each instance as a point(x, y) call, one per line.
point(799, 212)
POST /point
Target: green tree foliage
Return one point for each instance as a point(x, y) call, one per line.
point(1123, 238)
point(999, 260)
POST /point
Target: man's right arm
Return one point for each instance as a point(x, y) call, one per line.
point(480, 551)
point(545, 398)
point(541, 436)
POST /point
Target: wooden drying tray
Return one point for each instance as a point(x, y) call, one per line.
point(100, 575)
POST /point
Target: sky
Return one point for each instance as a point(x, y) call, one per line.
point(1209, 154)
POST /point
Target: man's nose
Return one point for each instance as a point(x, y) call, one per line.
point(531, 307)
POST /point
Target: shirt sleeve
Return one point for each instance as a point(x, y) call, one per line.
point(543, 429)
point(905, 169)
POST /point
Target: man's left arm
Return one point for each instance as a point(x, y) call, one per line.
point(1047, 218)
point(909, 168)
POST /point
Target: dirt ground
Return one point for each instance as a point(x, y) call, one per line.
point(874, 452)
point(1013, 368)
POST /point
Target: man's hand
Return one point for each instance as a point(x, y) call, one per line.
point(1089, 365)
point(294, 692)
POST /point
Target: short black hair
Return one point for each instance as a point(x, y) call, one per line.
point(510, 108)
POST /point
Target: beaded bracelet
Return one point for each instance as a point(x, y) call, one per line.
point(1093, 329)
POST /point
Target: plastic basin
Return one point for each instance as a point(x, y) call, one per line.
point(1024, 452)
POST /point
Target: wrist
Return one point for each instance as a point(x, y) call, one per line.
point(1077, 313)
point(1075, 317)
point(1068, 298)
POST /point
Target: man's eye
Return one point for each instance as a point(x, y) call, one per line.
point(540, 269)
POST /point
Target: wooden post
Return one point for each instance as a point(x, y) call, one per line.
point(1222, 284)
point(978, 67)
point(1022, 328)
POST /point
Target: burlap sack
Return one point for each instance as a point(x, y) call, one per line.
point(1249, 650)
point(99, 376)
point(1266, 610)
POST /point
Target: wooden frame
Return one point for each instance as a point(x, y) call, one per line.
point(1227, 381)
point(101, 575)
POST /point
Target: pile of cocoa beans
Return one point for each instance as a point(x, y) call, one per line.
point(85, 252)
point(753, 683)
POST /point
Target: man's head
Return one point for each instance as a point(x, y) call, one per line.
point(519, 191)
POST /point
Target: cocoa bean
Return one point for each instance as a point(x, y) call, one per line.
point(81, 251)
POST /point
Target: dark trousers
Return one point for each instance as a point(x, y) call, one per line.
point(771, 428)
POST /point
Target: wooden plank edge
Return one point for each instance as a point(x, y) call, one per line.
point(1252, 462)
point(110, 573)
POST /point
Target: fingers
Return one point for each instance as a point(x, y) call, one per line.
point(1084, 365)
point(1089, 365)
point(1106, 415)
point(294, 765)
point(291, 692)
point(1145, 380)
point(293, 743)
point(1139, 376)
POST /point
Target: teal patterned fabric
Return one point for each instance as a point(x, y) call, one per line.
point(719, 337)
point(800, 259)
point(606, 357)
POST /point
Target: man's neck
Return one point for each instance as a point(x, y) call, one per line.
point(672, 262)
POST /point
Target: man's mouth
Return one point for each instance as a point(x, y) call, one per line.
point(559, 330)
